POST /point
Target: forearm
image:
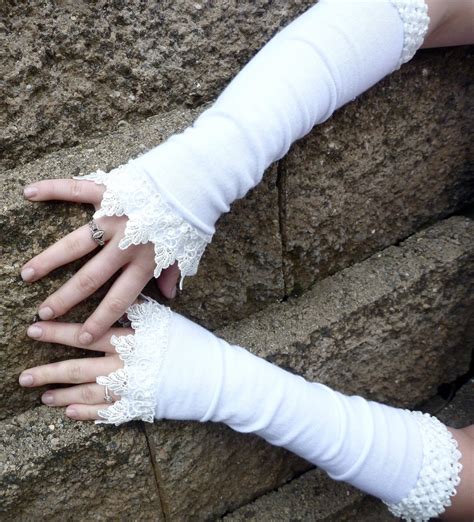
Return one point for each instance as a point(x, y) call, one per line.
point(451, 23)
point(462, 507)
point(407, 459)
point(328, 56)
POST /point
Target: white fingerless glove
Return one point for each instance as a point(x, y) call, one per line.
point(174, 194)
point(174, 369)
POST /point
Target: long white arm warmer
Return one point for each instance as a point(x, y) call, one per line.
point(174, 369)
point(174, 194)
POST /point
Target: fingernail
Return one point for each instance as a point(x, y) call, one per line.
point(26, 379)
point(71, 412)
point(47, 398)
point(34, 331)
point(85, 338)
point(173, 293)
point(46, 313)
point(27, 274)
point(29, 192)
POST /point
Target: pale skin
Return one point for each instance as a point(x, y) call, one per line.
point(451, 24)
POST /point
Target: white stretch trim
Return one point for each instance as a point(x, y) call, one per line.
point(439, 474)
point(414, 15)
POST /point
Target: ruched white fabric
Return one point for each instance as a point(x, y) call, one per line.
point(325, 58)
point(409, 460)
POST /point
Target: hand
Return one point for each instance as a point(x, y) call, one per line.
point(86, 397)
point(136, 262)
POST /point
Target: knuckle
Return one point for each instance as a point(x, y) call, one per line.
point(88, 395)
point(94, 326)
point(53, 187)
point(73, 246)
point(75, 189)
point(87, 283)
point(117, 305)
point(57, 303)
point(47, 334)
point(43, 375)
point(74, 373)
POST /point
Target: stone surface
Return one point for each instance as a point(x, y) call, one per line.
point(206, 470)
point(369, 509)
point(389, 163)
point(72, 69)
point(313, 496)
point(391, 328)
point(239, 273)
point(57, 469)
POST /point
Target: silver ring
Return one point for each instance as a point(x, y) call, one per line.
point(97, 234)
point(107, 396)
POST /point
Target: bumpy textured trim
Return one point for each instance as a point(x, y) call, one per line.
point(439, 474)
point(150, 218)
point(414, 15)
point(143, 355)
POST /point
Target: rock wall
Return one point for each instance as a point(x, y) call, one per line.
point(74, 69)
point(344, 265)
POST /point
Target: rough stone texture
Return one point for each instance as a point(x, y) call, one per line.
point(369, 509)
point(57, 469)
point(313, 496)
point(389, 163)
point(74, 69)
point(239, 273)
point(391, 328)
point(206, 470)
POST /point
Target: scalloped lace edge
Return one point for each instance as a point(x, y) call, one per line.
point(439, 474)
point(143, 355)
point(150, 218)
point(415, 19)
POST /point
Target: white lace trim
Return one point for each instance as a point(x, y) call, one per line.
point(414, 15)
point(143, 354)
point(150, 218)
point(439, 474)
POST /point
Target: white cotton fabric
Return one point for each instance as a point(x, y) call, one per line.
point(374, 447)
point(329, 55)
point(174, 194)
point(174, 369)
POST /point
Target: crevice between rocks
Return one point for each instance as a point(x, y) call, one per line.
point(447, 391)
point(281, 184)
point(156, 473)
point(260, 495)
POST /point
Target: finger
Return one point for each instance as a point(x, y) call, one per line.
point(90, 393)
point(72, 371)
point(84, 283)
point(68, 334)
point(122, 294)
point(71, 247)
point(74, 190)
point(85, 412)
point(168, 281)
